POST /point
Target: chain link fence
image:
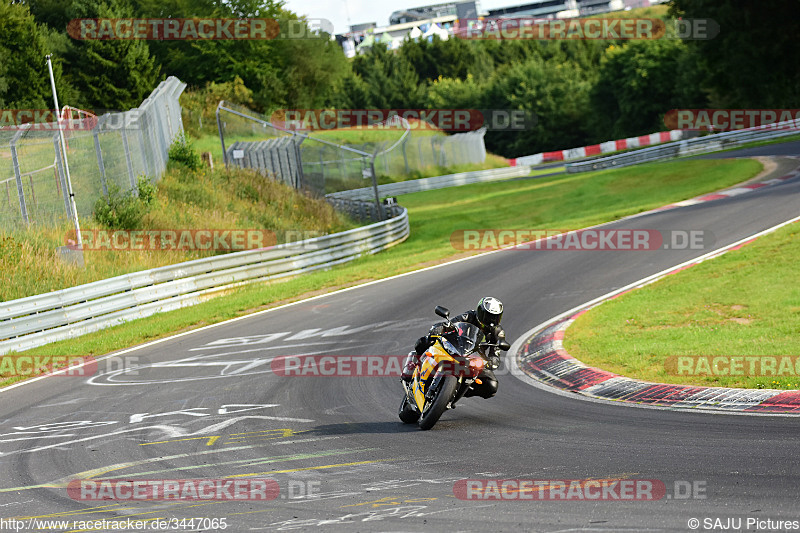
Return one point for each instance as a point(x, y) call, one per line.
point(103, 153)
point(338, 160)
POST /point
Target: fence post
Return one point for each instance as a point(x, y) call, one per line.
point(60, 169)
point(405, 155)
point(221, 135)
point(128, 161)
point(301, 178)
point(375, 187)
point(99, 153)
point(18, 176)
point(342, 166)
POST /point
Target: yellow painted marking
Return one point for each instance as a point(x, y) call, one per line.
point(391, 500)
point(252, 462)
point(286, 432)
point(367, 503)
point(253, 512)
point(309, 468)
point(211, 440)
point(88, 474)
point(68, 513)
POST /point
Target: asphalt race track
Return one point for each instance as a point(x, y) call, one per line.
point(206, 405)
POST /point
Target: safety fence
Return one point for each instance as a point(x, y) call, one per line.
point(38, 320)
point(339, 160)
point(102, 153)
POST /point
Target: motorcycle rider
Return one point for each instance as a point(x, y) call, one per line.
point(486, 316)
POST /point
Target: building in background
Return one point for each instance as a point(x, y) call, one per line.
point(426, 13)
point(441, 19)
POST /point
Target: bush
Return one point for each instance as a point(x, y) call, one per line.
point(182, 152)
point(125, 210)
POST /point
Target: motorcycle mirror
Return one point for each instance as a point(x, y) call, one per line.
point(505, 346)
point(442, 312)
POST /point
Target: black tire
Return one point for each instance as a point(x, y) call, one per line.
point(407, 413)
point(447, 389)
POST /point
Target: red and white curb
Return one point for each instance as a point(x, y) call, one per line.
point(539, 358)
point(598, 149)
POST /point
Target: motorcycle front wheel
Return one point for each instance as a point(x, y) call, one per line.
point(447, 389)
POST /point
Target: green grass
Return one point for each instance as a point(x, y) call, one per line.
point(562, 202)
point(744, 303)
point(185, 200)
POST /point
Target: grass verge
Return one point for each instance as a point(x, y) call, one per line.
point(563, 202)
point(184, 200)
point(744, 303)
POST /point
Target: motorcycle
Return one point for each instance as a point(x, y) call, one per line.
point(445, 373)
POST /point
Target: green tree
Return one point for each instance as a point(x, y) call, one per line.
point(388, 80)
point(453, 58)
point(557, 93)
point(199, 62)
point(308, 68)
point(114, 74)
point(754, 62)
point(24, 82)
point(637, 84)
point(455, 93)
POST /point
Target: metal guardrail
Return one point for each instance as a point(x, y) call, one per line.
point(37, 320)
point(362, 210)
point(436, 182)
point(698, 145)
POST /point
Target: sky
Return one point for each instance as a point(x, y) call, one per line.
point(361, 11)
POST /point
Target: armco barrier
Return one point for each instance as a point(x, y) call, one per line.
point(698, 145)
point(68, 313)
point(436, 182)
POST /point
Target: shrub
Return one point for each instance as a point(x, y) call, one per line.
point(183, 153)
point(124, 209)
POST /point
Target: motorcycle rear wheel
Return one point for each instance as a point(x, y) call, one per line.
point(447, 389)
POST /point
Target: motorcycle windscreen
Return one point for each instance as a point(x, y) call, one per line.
point(463, 340)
